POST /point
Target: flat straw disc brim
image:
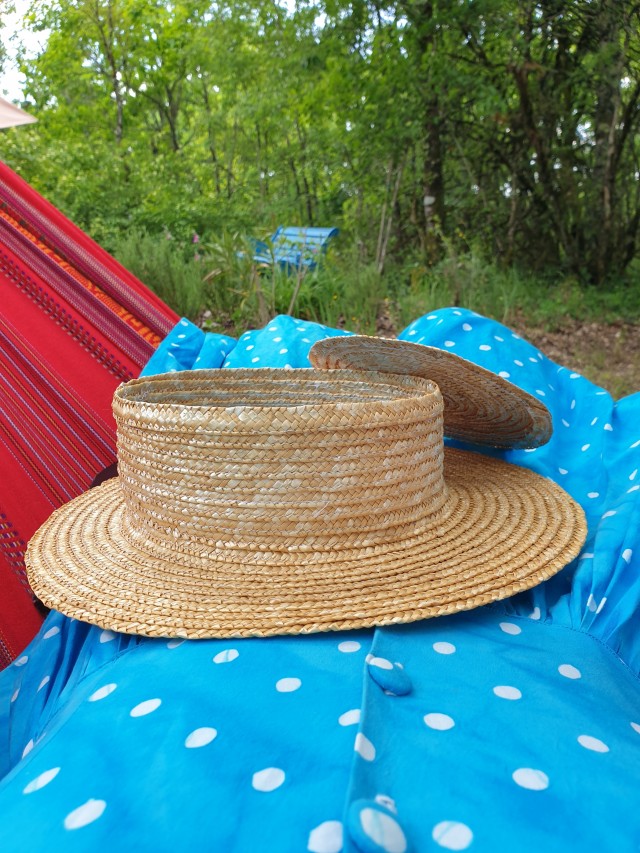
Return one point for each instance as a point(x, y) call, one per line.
point(503, 529)
point(479, 407)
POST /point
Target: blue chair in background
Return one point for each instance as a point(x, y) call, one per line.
point(294, 249)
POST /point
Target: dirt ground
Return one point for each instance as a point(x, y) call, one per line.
point(606, 353)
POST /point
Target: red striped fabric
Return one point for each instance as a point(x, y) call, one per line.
point(73, 325)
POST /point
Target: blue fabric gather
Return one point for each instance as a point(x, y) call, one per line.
point(512, 727)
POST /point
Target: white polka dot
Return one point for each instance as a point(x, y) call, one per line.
point(182, 335)
point(608, 427)
point(504, 374)
point(349, 718)
point(387, 802)
point(569, 671)
point(51, 633)
point(591, 604)
point(540, 392)
point(519, 363)
point(102, 692)
point(283, 351)
point(449, 343)
point(609, 513)
point(21, 661)
point(305, 340)
point(467, 327)
point(565, 423)
point(200, 737)
point(635, 727)
point(28, 748)
point(288, 685)
point(364, 747)
point(432, 316)
point(272, 329)
point(255, 359)
point(85, 814)
point(349, 646)
point(452, 835)
point(184, 322)
point(533, 780)
point(107, 636)
point(326, 838)
point(444, 648)
point(535, 614)
point(593, 422)
point(505, 692)
point(626, 555)
point(593, 495)
point(484, 347)
point(633, 489)
point(146, 707)
point(381, 663)
point(533, 360)
point(383, 830)
point(498, 338)
point(41, 780)
point(585, 447)
point(173, 644)
point(277, 340)
point(510, 628)
point(574, 376)
point(43, 683)
point(15, 694)
point(250, 347)
point(268, 779)
point(562, 471)
point(226, 656)
point(413, 332)
point(635, 444)
point(441, 722)
point(593, 743)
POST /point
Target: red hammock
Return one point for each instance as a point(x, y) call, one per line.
point(73, 325)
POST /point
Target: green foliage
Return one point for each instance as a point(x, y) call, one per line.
point(426, 131)
point(171, 271)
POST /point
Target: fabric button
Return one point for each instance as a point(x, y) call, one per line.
point(373, 828)
point(389, 677)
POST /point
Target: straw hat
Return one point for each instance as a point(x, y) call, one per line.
point(258, 502)
point(479, 407)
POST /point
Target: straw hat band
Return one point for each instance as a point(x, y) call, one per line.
point(379, 481)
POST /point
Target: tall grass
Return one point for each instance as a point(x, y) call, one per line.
point(170, 270)
point(221, 279)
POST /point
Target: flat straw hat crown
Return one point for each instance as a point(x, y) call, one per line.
point(267, 461)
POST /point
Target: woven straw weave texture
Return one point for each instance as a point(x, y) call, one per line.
point(260, 502)
point(479, 407)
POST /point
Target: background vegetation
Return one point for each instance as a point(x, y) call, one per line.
point(480, 152)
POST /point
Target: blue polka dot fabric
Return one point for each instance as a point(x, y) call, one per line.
point(512, 727)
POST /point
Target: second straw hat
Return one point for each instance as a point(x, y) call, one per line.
point(479, 407)
point(261, 502)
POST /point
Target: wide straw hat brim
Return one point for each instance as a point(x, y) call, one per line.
point(502, 530)
point(479, 406)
